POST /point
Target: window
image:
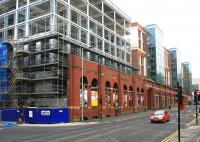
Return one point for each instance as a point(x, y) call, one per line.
point(39, 26)
point(21, 15)
point(118, 53)
point(61, 26)
point(11, 19)
point(92, 27)
point(99, 44)
point(112, 38)
point(22, 2)
point(99, 30)
point(119, 42)
point(1, 35)
point(83, 21)
point(21, 31)
point(74, 16)
point(40, 9)
point(62, 9)
point(128, 57)
point(113, 50)
point(96, 15)
point(92, 41)
point(122, 55)
point(83, 36)
point(107, 46)
point(1, 22)
point(74, 32)
point(10, 33)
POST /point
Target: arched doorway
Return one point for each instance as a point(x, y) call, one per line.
point(84, 95)
point(116, 98)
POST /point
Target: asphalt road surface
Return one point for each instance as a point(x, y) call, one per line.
point(132, 130)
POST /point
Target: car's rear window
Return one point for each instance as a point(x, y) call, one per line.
point(159, 113)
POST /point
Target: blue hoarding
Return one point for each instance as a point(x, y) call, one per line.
point(37, 115)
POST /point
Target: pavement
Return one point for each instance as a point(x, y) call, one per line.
point(87, 122)
point(189, 134)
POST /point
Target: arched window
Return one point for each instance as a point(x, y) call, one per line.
point(142, 91)
point(142, 97)
point(108, 91)
point(115, 95)
point(125, 95)
point(94, 85)
point(84, 95)
point(116, 98)
point(138, 90)
point(130, 96)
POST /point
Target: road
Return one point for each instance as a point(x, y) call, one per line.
point(132, 130)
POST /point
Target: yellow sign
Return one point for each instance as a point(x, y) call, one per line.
point(94, 98)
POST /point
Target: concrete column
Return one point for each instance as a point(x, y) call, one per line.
point(68, 17)
point(53, 18)
point(5, 25)
point(103, 28)
point(88, 26)
point(16, 21)
point(26, 20)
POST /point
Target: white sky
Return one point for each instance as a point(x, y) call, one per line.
point(178, 19)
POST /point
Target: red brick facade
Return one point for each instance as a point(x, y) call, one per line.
point(135, 93)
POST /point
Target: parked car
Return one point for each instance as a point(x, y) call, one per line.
point(160, 116)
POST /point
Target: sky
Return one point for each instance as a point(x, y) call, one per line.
point(178, 19)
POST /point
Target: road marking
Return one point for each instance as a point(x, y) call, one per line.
point(170, 137)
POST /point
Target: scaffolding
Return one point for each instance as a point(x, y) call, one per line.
point(36, 73)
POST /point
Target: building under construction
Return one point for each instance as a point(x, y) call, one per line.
point(38, 37)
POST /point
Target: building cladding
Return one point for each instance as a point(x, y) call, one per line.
point(176, 67)
point(49, 30)
point(155, 53)
point(187, 77)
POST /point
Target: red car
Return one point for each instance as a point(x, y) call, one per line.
point(160, 116)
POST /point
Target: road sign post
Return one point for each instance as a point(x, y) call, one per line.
point(196, 93)
point(179, 101)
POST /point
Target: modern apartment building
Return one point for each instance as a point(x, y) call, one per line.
point(155, 53)
point(187, 77)
point(176, 67)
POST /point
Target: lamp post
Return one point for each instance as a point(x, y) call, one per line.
point(99, 76)
point(99, 86)
point(82, 97)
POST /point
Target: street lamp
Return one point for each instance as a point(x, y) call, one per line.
point(99, 85)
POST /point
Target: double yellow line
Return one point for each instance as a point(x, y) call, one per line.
point(170, 137)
